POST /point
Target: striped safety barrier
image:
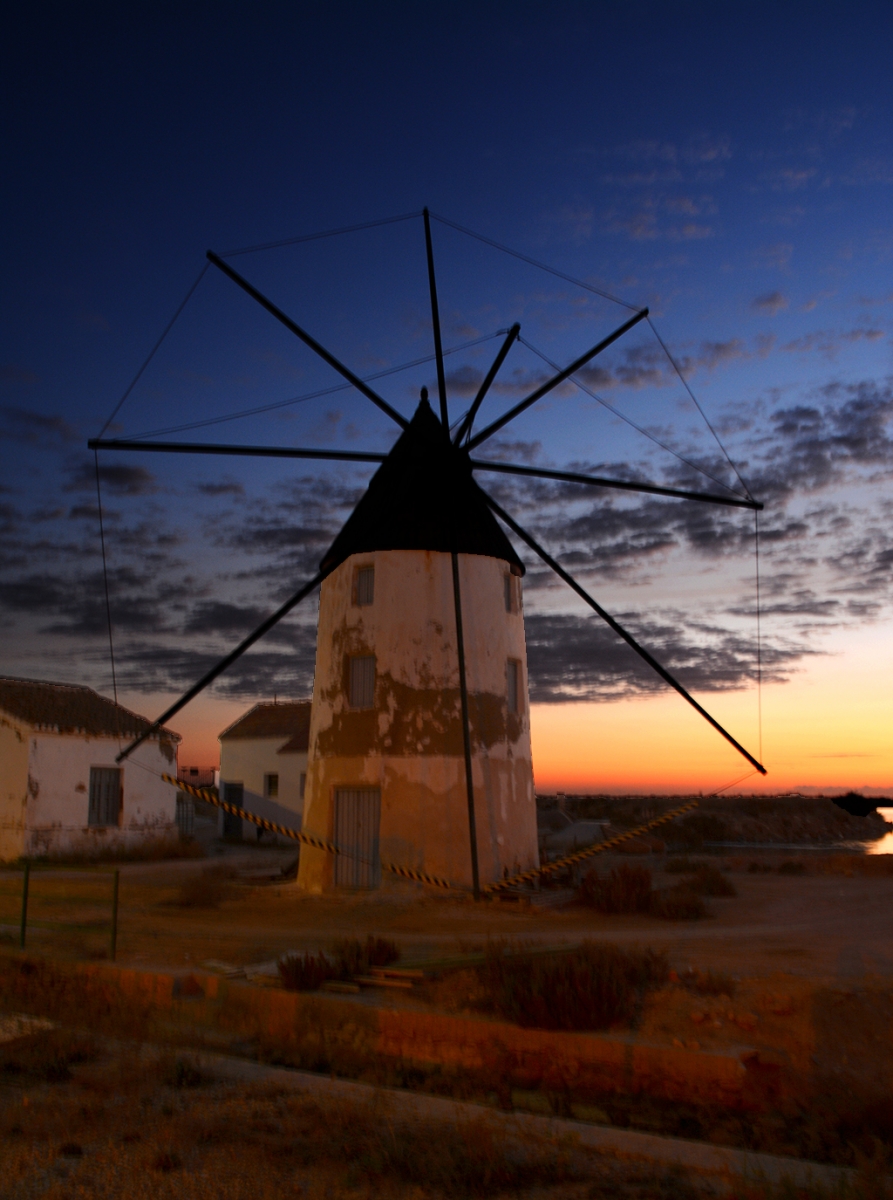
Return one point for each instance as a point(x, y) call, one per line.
point(587, 852)
point(211, 796)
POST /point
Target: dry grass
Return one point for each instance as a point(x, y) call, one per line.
point(124, 1128)
point(594, 987)
point(350, 957)
point(628, 890)
point(131, 1124)
point(207, 889)
point(155, 850)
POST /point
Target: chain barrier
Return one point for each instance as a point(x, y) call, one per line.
point(306, 839)
point(587, 852)
point(210, 796)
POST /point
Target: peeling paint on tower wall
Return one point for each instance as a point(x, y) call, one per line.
point(406, 739)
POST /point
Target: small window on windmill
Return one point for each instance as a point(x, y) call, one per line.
point(365, 585)
point(271, 786)
point(508, 586)
point(362, 681)
point(513, 685)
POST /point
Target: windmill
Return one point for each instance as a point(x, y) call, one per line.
point(420, 736)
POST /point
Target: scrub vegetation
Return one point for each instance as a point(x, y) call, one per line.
point(591, 988)
point(627, 890)
point(350, 957)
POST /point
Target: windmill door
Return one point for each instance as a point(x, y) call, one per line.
point(357, 818)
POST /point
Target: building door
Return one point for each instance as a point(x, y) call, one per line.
point(357, 819)
point(233, 793)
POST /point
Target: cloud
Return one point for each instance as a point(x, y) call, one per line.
point(777, 255)
point(647, 365)
point(34, 429)
point(812, 445)
point(574, 657)
point(770, 302)
point(790, 179)
point(828, 343)
point(121, 480)
point(464, 381)
point(14, 373)
point(261, 671)
point(222, 488)
point(219, 616)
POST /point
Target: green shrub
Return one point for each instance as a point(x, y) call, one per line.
point(626, 890)
point(593, 987)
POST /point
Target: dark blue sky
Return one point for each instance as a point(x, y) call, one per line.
point(729, 165)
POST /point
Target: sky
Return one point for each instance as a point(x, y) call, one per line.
point(729, 166)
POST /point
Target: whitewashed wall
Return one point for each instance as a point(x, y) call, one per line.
point(248, 760)
point(58, 784)
point(410, 742)
point(13, 787)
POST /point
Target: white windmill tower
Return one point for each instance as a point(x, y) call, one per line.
point(399, 680)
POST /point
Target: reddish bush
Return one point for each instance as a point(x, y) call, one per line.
point(590, 988)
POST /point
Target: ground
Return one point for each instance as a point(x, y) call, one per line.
point(806, 957)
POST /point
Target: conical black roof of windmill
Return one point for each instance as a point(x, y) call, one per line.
point(423, 497)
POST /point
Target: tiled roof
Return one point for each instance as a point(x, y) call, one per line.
point(70, 708)
point(289, 719)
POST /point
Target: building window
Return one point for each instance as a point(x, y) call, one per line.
point(365, 585)
point(303, 784)
point(362, 681)
point(271, 785)
point(513, 685)
point(106, 796)
point(508, 593)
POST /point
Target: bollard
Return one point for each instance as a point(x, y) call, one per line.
point(24, 904)
point(113, 944)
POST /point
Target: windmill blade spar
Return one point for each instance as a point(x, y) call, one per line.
point(468, 419)
point(435, 321)
point(620, 631)
point(247, 451)
point(305, 337)
point(623, 484)
point(552, 383)
point(211, 675)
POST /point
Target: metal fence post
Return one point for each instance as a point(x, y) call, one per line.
point(113, 945)
point(24, 923)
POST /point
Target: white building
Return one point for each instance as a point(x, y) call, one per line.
point(263, 766)
point(61, 790)
point(387, 770)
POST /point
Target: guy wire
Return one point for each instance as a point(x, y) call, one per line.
point(756, 532)
point(105, 580)
point(154, 350)
point(628, 420)
point(326, 233)
point(694, 400)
